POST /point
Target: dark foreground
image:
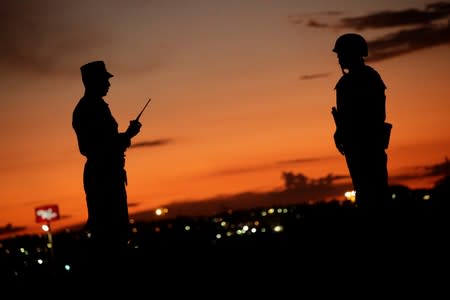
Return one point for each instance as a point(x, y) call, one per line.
point(270, 247)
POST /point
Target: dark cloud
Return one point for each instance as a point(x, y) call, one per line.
point(439, 169)
point(407, 41)
point(241, 170)
point(262, 167)
point(10, 229)
point(301, 160)
point(36, 37)
point(306, 18)
point(426, 28)
point(50, 37)
point(153, 143)
point(313, 23)
point(311, 191)
point(314, 76)
point(398, 18)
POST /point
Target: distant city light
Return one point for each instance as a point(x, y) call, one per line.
point(161, 211)
point(350, 195)
point(67, 267)
point(278, 228)
point(426, 197)
point(45, 227)
point(40, 261)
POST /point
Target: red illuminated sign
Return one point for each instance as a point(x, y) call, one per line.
point(46, 213)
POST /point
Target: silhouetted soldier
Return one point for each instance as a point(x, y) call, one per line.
point(362, 135)
point(104, 147)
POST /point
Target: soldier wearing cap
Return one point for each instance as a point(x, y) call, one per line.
point(360, 115)
point(104, 147)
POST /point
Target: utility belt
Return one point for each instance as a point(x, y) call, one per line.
point(381, 137)
point(107, 168)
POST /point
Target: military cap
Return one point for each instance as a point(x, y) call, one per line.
point(95, 69)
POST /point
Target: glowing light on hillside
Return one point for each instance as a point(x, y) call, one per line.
point(161, 211)
point(278, 228)
point(350, 195)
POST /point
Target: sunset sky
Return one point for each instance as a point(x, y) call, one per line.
point(241, 91)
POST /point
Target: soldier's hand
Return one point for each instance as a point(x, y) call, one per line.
point(133, 129)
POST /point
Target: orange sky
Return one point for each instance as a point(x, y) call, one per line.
point(237, 88)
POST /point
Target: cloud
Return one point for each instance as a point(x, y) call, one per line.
point(152, 143)
point(411, 29)
point(312, 191)
point(420, 172)
point(36, 37)
point(314, 76)
point(301, 160)
point(262, 167)
point(241, 170)
point(50, 37)
point(407, 41)
point(306, 18)
point(405, 17)
point(313, 23)
point(10, 229)
point(439, 169)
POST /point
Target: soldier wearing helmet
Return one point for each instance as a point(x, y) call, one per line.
point(360, 115)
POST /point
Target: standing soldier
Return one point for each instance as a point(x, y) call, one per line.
point(104, 147)
point(362, 135)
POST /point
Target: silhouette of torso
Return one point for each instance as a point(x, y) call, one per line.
point(361, 105)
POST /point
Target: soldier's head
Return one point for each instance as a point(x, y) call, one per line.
point(95, 77)
point(351, 48)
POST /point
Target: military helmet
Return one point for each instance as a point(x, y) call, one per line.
point(351, 43)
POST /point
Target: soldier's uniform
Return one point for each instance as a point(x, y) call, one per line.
point(104, 175)
point(362, 134)
point(360, 102)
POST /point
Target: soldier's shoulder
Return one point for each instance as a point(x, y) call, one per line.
point(341, 81)
point(370, 71)
point(373, 75)
point(82, 107)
